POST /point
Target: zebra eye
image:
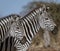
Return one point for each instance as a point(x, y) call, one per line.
point(46, 18)
point(40, 13)
point(17, 27)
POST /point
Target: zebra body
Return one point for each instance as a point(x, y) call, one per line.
point(29, 32)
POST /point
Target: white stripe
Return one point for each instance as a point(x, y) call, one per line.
point(5, 22)
point(25, 34)
point(37, 11)
point(27, 29)
point(32, 25)
point(30, 28)
point(3, 28)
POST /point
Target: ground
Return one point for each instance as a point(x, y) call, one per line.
point(37, 44)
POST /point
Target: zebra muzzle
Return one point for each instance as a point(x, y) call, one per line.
point(55, 31)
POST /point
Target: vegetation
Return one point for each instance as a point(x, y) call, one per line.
point(55, 12)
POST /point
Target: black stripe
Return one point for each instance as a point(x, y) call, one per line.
point(34, 18)
point(37, 19)
point(5, 27)
point(1, 46)
point(10, 43)
point(6, 44)
point(32, 21)
point(30, 25)
point(14, 40)
point(6, 24)
point(2, 31)
point(25, 31)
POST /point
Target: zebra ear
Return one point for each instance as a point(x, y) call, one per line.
point(17, 19)
point(12, 22)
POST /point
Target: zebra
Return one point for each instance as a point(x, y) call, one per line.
point(30, 25)
point(6, 39)
point(5, 24)
point(8, 43)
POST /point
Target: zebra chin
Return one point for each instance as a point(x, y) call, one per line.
point(55, 30)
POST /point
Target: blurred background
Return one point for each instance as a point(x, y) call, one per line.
point(22, 7)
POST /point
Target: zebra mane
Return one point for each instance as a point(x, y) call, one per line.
point(31, 11)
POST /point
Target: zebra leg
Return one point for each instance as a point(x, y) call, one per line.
point(46, 38)
point(7, 45)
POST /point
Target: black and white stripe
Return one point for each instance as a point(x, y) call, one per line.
point(31, 25)
point(6, 40)
point(7, 44)
point(5, 24)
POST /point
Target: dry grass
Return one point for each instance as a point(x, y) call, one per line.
point(37, 44)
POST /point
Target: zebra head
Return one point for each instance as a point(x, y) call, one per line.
point(46, 21)
point(16, 29)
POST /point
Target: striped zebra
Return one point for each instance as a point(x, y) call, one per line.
point(8, 43)
point(6, 39)
point(30, 25)
point(5, 24)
